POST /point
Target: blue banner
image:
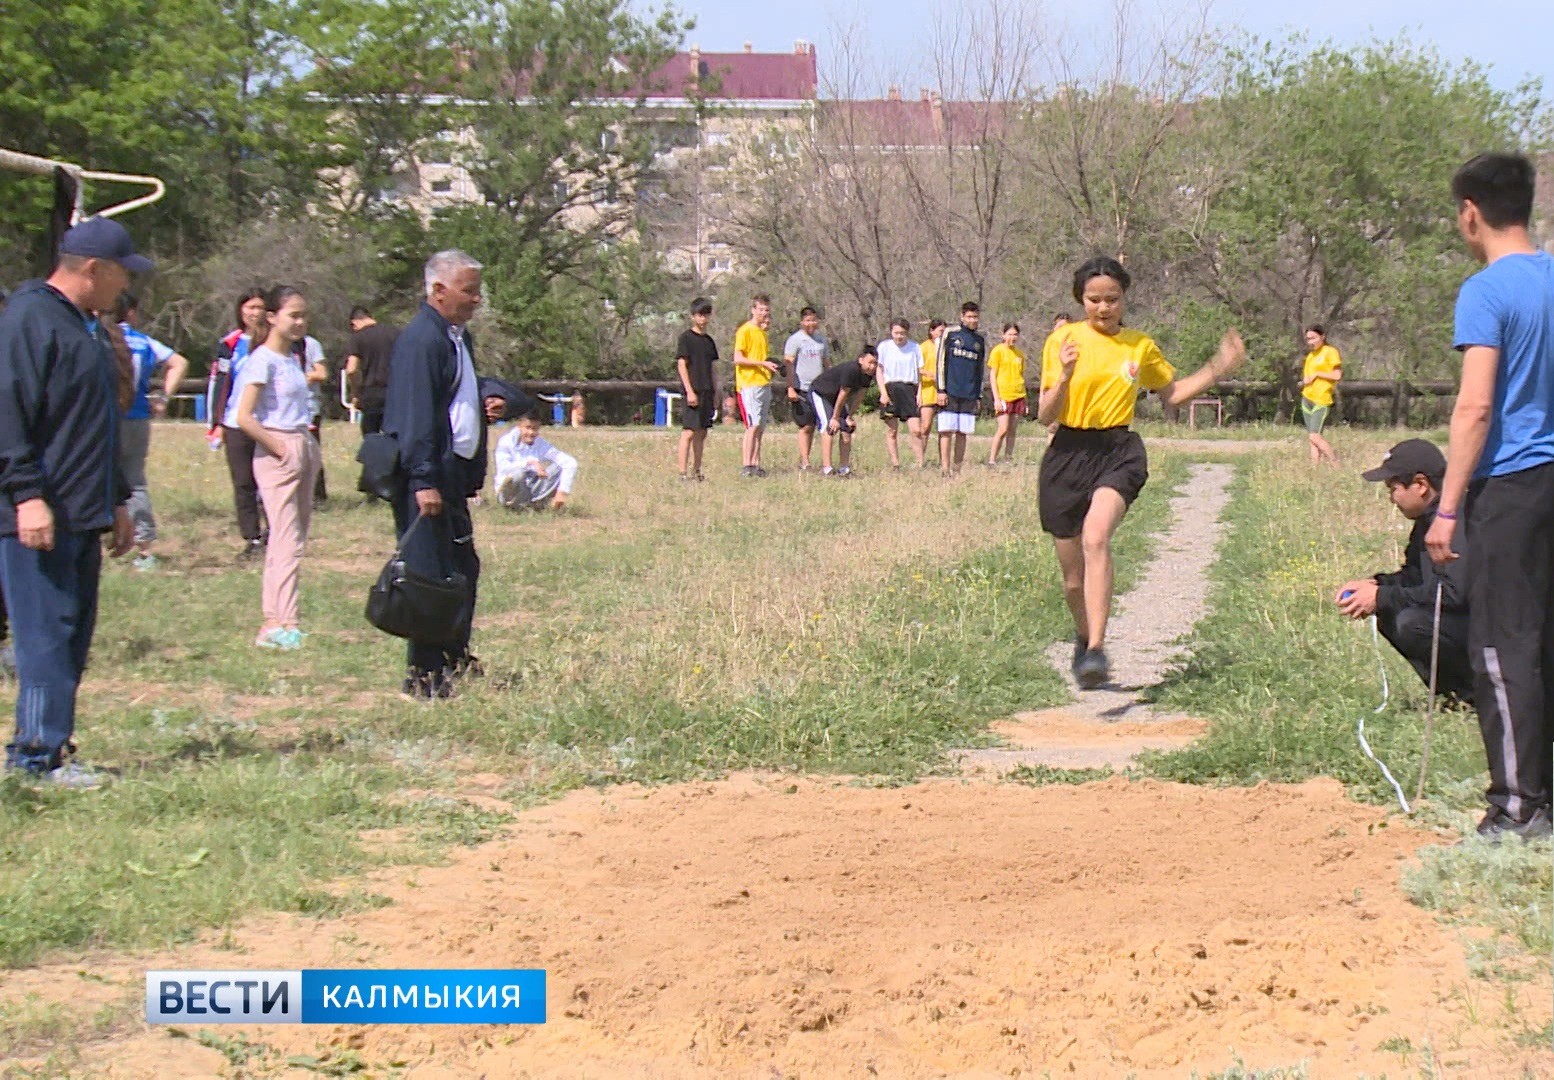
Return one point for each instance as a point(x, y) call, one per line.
point(400, 996)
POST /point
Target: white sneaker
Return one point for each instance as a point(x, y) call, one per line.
point(507, 491)
point(75, 777)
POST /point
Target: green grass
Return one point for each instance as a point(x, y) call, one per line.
point(1285, 680)
point(658, 632)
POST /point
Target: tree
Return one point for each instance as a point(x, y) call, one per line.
point(1332, 204)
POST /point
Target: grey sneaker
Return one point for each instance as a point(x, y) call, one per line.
point(75, 777)
point(1497, 825)
point(1092, 670)
point(1080, 645)
point(747, 471)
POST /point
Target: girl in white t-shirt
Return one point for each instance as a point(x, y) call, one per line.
point(275, 407)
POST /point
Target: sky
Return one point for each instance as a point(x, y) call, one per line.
point(1516, 44)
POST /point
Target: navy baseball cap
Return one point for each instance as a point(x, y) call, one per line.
point(104, 238)
point(1408, 459)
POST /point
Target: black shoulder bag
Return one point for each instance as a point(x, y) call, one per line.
point(408, 604)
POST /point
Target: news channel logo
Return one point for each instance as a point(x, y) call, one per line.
point(397, 996)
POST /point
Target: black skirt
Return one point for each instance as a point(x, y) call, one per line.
point(1078, 463)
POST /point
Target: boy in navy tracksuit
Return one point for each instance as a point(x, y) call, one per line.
point(61, 487)
point(959, 387)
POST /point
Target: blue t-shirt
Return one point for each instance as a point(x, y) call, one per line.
point(149, 354)
point(1509, 305)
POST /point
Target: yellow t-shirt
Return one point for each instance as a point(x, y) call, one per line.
point(927, 389)
point(750, 339)
point(1108, 375)
point(1006, 369)
point(1324, 361)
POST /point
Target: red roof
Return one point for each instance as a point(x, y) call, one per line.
point(911, 122)
point(739, 76)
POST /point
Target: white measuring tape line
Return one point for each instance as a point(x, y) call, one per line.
point(1386, 696)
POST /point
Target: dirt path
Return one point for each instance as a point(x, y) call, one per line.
point(1106, 728)
point(770, 927)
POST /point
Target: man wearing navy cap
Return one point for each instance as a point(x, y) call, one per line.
point(61, 487)
point(1404, 601)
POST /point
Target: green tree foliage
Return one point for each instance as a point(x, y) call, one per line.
point(1329, 199)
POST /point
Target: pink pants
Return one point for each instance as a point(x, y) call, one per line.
point(286, 489)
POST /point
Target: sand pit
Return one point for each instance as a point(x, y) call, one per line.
point(772, 927)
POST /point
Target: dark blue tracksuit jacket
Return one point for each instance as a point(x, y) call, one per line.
point(59, 413)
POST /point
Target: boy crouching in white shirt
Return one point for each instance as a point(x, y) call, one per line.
point(531, 474)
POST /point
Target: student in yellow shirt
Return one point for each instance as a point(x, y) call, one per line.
point(1006, 376)
point(1324, 368)
point(1091, 374)
point(927, 390)
point(753, 381)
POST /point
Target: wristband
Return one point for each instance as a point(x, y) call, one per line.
point(1447, 514)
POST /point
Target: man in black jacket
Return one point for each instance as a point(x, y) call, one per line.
point(434, 410)
point(61, 487)
point(1404, 602)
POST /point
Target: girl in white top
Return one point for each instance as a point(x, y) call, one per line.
point(275, 407)
point(899, 373)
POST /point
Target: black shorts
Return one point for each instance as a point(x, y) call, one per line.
point(968, 405)
point(903, 400)
point(698, 417)
point(824, 407)
point(803, 410)
point(1078, 463)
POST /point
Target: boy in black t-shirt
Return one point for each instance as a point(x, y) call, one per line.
point(829, 393)
point(695, 356)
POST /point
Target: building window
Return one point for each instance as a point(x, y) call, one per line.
point(443, 186)
point(717, 138)
point(720, 264)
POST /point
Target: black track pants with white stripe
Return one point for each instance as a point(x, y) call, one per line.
point(1511, 632)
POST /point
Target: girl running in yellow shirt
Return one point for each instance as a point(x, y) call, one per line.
point(1324, 368)
point(1091, 375)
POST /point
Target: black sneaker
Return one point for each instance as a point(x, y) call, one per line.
point(469, 667)
point(427, 686)
point(747, 471)
point(760, 472)
point(1092, 670)
point(1080, 647)
point(252, 550)
point(1497, 825)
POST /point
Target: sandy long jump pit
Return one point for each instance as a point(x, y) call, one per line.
point(772, 927)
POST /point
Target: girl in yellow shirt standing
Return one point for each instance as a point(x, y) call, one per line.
point(1091, 374)
point(1006, 374)
point(928, 390)
point(1323, 369)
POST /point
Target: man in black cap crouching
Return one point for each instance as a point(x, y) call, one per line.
point(1404, 602)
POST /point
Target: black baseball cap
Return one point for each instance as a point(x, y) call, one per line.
point(1408, 459)
point(104, 238)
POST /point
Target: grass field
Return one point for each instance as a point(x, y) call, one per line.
point(661, 631)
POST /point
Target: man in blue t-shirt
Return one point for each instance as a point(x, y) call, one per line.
point(1500, 472)
point(135, 428)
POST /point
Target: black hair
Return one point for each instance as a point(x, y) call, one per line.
point(359, 312)
point(969, 306)
point(1317, 328)
point(934, 324)
point(127, 303)
point(1008, 326)
point(1100, 266)
point(1500, 185)
point(901, 323)
point(868, 350)
point(254, 293)
point(276, 298)
point(1062, 316)
point(805, 312)
point(701, 306)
